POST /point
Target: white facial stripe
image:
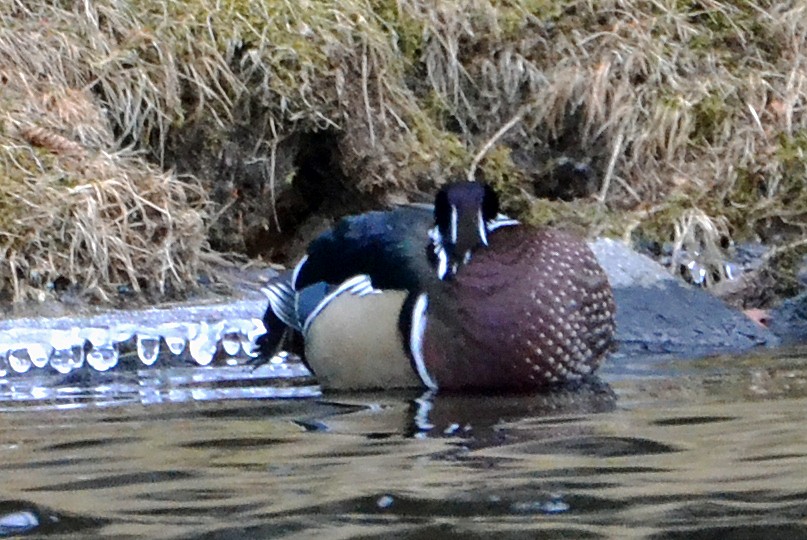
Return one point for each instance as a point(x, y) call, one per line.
point(419, 320)
point(296, 272)
point(435, 236)
point(454, 225)
point(501, 221)
point(483, 228)
point(442, 263)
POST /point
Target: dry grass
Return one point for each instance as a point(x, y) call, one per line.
point(692, 114)
point(76, 209)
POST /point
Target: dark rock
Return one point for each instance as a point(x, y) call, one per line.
point(659, 314)
point(789, 320)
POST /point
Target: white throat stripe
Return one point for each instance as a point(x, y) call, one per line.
point(442, 263)
point(454, 224)
point(501, 221)
point(419, 320)
point(483, 228)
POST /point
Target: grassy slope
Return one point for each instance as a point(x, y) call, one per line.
point(691, 114)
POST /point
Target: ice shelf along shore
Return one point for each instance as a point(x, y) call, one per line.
point(224, 334)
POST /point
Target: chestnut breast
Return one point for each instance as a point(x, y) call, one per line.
point(532, 310)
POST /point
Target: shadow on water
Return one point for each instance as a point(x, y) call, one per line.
point(662, 449)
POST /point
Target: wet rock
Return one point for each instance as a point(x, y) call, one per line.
point(789, 320)
point(657, 313)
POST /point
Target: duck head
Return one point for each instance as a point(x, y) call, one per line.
point(464, 213)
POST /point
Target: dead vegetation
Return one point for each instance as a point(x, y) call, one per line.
point(76, 210)
point(687, 117)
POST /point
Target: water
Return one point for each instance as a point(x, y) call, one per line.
point(713, 448)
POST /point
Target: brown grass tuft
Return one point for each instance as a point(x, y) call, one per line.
point(74, 207)
point(691, 115)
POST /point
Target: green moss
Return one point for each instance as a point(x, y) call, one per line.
point(407, 30)
point(499, 170)
point(659, 226)
point(583, 216)
point(513, 16)
point(710, 114)
point(760, 193)
point(793, 155)
point(728, 28)
point(359, 70)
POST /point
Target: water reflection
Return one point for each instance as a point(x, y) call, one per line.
point(706, 449)
point(480, 416)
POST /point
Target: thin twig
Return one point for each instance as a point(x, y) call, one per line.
point(366, 93)
point(609, 172)
point(778, 250)
point(272, 169)
point(272, 176)
point(493, 140)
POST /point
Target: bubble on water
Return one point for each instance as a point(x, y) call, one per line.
point(18, 522)
point(203, 346)
point(19, 360)
point(231, 343)
point(103, 358)
point(255, 330)
point(555, 505)
point(66, 360)
point(176, 344)
point(39, 354)
point(148, 348)
point(176, 335)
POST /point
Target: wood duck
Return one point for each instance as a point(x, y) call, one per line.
point(457, 297)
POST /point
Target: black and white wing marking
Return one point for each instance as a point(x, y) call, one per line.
point(283, 301)
point(360, 285)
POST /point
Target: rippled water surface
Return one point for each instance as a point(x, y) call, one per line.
point(693, 449)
